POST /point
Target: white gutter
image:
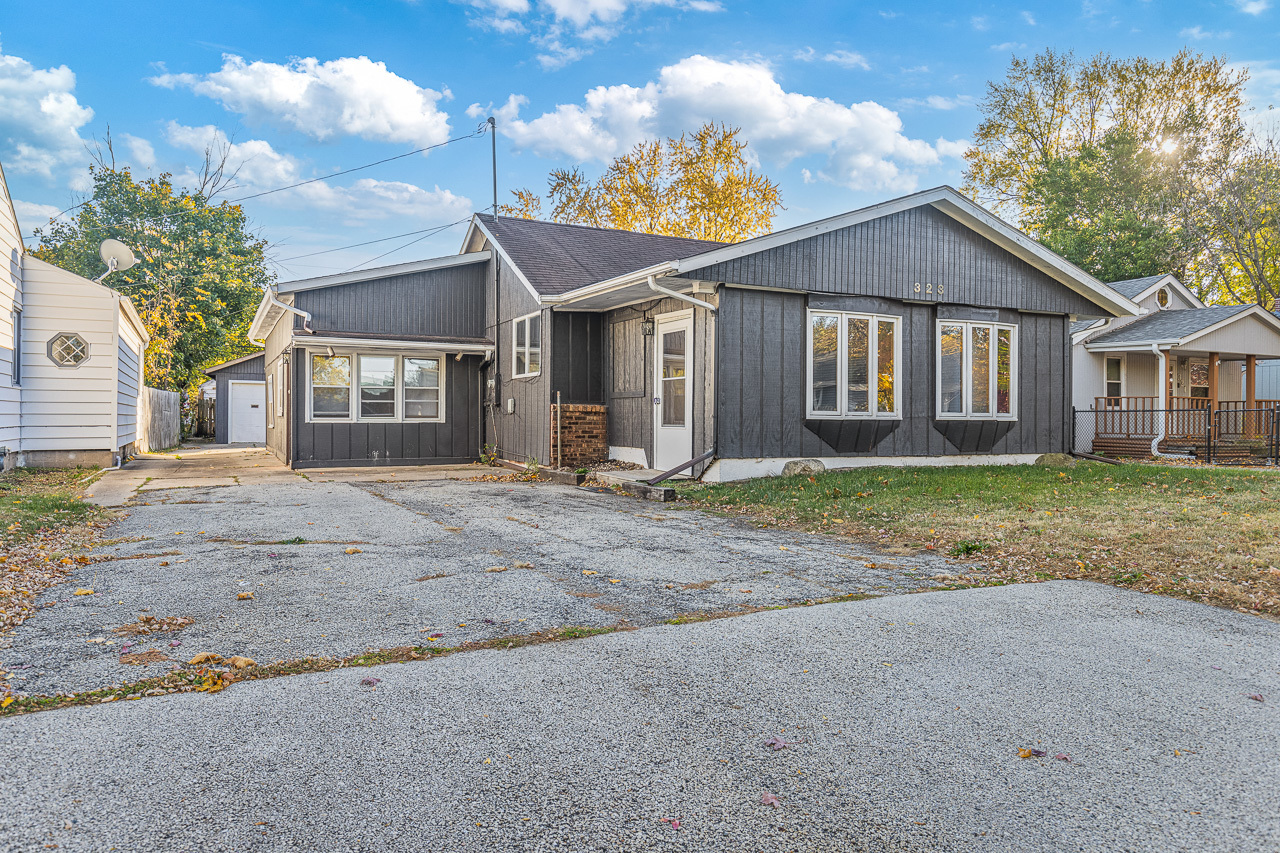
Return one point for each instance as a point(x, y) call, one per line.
point(306, 316)
point(1163, 355)
point(616, 283)
point(396, 344)
point(654, 286)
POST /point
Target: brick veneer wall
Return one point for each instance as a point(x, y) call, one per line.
point(586, 434)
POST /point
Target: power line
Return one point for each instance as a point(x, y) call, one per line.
point(407, 245)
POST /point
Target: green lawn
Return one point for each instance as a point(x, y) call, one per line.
point(1200, 533)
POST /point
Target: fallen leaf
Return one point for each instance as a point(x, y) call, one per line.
point(495, 569)
point(1062, 757)
point(83, 591)
point(205, 657)
point(524, 565)
point(1031, 753)
point(370, 681)
point(1257, 697)
point(590, 572)
point(6, 702)
point(353, 551)
point(239, 662)
point(767, 799)
point(243, 596)
point(614, 580)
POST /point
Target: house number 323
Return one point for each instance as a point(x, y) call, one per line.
point(929, 288)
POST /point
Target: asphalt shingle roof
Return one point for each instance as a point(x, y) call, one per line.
point(1169, 325)
point(1131, 287)
point(557, 258)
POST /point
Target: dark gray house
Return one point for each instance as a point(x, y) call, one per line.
point(922, 330)
point(239, 408)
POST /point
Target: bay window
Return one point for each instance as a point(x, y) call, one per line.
point(853, 365)
point(382, 387)
point(976, 367)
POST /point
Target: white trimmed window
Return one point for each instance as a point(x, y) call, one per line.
point(330, 387)
point(1114, 376)
point(271, 399)
point(853, 365)
point(421, 389)
point(382, 387)
point(977, 370)
point(526, 345)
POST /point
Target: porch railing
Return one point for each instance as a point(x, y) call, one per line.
point(1232, 433)
point(1139, 417)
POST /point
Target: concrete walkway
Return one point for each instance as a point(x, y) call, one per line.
point(902, 719)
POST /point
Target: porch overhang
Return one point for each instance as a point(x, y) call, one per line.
point(448, 346)
point(1197, 343)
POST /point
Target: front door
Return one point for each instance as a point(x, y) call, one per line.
point(673, 392)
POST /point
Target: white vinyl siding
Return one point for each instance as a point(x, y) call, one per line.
point(10, 300)
point(128, 384)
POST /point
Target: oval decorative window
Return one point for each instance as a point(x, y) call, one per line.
point(1163, 297)
point(68, 350)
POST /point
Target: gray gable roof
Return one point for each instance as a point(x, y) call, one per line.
point(1169, 325)
point(557, 258)
point(1131, 287)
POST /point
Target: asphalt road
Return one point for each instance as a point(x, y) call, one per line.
point(904, 716)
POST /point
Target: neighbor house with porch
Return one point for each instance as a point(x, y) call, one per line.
point(1174, 378)
point(923, 330)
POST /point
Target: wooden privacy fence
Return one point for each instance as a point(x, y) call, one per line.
point(159, 419)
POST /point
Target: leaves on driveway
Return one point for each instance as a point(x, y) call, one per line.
point(767, 799)
point(148, 624)
point(205, 657)
point(1027, 752)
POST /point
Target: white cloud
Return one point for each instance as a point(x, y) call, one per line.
point(980, 23)
point(1252, 7)
point(940, 102)
point(258, 166)
point(1029, 18)
point(40, 118)
point(1009, 46)
point(142, 153)
point(32, 215)
point(1198, 33)
point(863, 143)
point(847, 59)
point(953, 148)
point(348, 96)
point(567, 30)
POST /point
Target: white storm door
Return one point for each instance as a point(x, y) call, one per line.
point(247, 412)
point(673, 392)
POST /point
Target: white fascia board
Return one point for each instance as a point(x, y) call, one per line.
point(1172, 281)
point(1131, 346)
point(478, 227)
point(382, 272)
point(631, 279)
point(126, 307)
point(313, 341)
point(259, 328)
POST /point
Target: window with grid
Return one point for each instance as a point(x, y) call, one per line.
point(68, 350)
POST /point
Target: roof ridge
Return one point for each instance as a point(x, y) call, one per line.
point(600, 229)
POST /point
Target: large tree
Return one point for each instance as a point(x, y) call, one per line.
point(700, 185)
point(201, 271)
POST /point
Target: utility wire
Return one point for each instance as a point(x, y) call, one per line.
point(407, 245)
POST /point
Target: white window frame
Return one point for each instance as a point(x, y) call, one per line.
point(271, 400)
point(842, 365)
point(281, 384)
point(353, 411)
point(527, 348)
point(1124, 374)
point(967, 376)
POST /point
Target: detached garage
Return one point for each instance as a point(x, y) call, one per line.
point(240, 401)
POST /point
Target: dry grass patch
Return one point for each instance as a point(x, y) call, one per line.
point(1199, 533)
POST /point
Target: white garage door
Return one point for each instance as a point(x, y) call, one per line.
point(247, 411)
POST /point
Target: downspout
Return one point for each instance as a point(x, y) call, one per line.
point(654, 286)
point(1164, 382)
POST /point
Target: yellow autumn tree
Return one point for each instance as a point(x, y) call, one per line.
point(700, 185)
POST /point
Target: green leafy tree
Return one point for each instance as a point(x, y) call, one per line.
point(200, 275)
point(700, 185)
point(1113, 208)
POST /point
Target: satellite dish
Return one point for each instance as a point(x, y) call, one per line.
point(116, 255)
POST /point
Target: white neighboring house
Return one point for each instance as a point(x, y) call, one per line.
point(70, 361)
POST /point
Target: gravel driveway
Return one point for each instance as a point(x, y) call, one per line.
point(470, 560)
point(905, 715)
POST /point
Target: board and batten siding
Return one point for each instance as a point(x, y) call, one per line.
point(10, 301)
point(761, 384)
point(885, 257)
point(445, 302)
point(67, 408)
point(631, 375)
point(251, 370)
point(525, 433)
point(578, 367)
point(371, 443)
point(276, 357)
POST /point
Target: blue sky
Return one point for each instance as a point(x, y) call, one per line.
point(843, 103)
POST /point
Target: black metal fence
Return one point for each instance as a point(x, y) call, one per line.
point(1230, 435)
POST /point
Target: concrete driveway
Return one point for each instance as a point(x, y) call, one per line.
point(340, 562)
point(903, 718)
